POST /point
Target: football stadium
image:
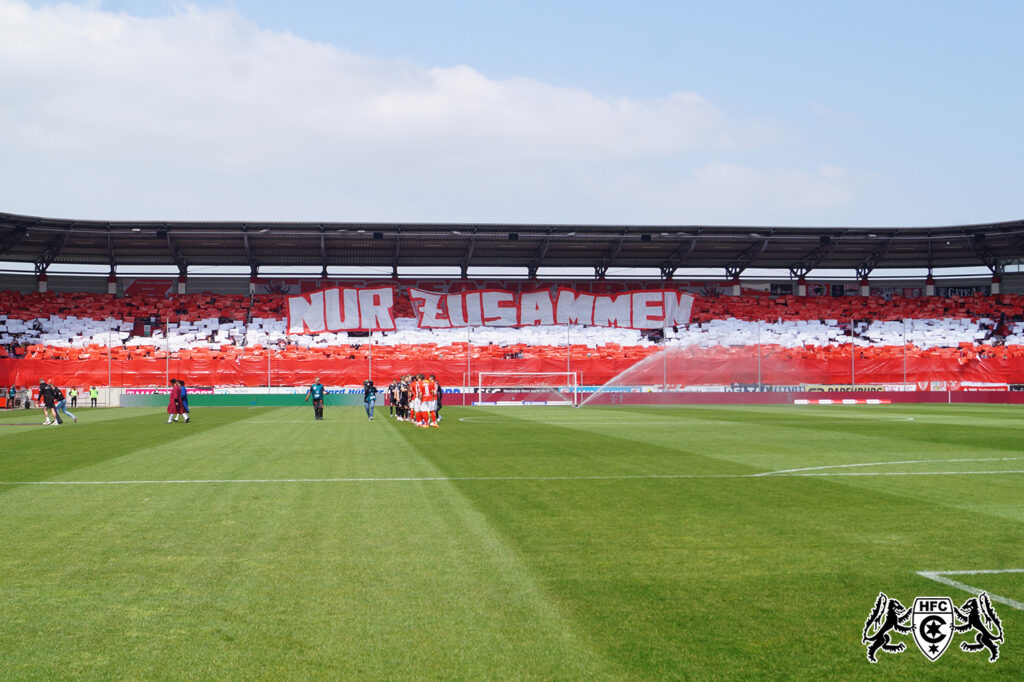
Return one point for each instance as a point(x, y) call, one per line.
point(511, 340)
point(663, 477)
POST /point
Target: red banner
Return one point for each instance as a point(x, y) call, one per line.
point(713, 366)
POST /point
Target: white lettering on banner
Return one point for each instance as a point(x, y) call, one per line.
point(348, 309)
point(375, 309)
point(341, 309)
point(456, 310)
point(428, 307)
point(306, 314)
point(535, 308)
point(574, 308)
point(612, 311)
point(648, 310)
point(332, 309)
point(474, 311)
point(499, 309)
point(678, 307)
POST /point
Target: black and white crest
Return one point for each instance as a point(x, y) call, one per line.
point(887, 616)
point(978, 614)
point(932, 623)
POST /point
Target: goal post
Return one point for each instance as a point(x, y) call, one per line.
point(527, 388)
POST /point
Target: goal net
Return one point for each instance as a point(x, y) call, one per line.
point(527, 388)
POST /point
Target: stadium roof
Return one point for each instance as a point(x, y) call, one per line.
point(45, 241)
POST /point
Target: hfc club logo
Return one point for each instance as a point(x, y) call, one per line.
point(933, 621)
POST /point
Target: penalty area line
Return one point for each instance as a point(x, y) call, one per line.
point(940, 577)
point(877, 464)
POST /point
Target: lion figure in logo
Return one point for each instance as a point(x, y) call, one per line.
point(888, 615)
point(977, 614)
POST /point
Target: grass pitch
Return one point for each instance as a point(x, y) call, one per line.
point(512, 543)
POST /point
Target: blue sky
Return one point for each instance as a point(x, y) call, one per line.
point(799, 113)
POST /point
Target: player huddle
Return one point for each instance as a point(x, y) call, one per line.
point(416, 398)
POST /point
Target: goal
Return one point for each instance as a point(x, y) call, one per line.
point(527, 388)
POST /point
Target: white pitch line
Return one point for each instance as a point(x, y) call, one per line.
point(638, 422)
point(899, 473)
point(531, 422)
point(875, 464)
point(302, 421)
point(574, 422)
point(940, 577)
point(401, 479)
point(396, 479)
point(989, 571)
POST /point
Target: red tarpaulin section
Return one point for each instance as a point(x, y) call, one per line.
point(688, 367)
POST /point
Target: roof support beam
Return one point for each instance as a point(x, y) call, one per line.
point(874, 259)
point(253, 265)
point(13, 239)
point(538, 256)
point(669, 267)
point(323, 253)
point(749, 255)
point(601, 267)
point(988, 259)
point(53, 249)
point(110, 251)
point(172, 246)
point(468, 256)
point(827, 244)
point(1014, 235)
point(1015, 239)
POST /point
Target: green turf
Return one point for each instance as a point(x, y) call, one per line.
point(512, 543)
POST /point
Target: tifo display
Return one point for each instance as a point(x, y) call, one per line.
point(230, 340)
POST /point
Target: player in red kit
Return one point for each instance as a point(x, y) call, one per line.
point(430, 400)
point(419, 388)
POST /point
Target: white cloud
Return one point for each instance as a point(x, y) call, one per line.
point(728, 193)
point(769, 189)
point(105, 114)
point(834, 117)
